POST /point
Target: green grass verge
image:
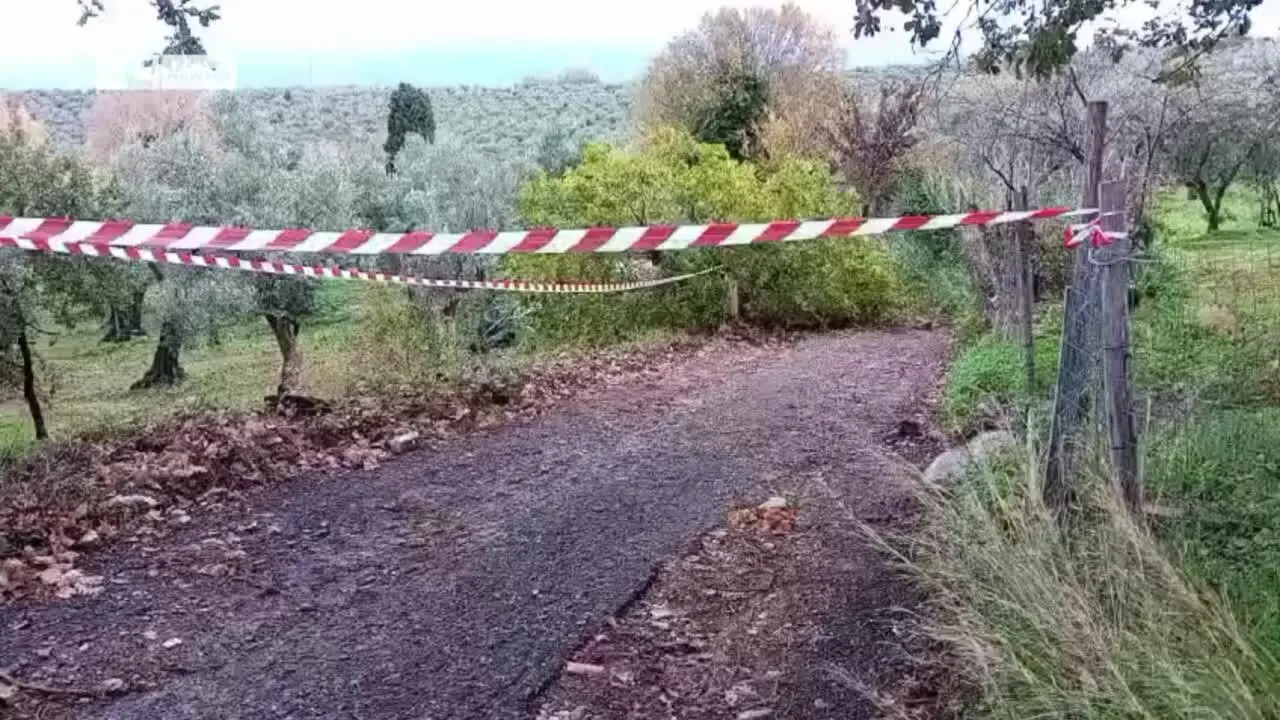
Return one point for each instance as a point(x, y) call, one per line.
point(1113, 621)
point(85, 383)
point(989, 375)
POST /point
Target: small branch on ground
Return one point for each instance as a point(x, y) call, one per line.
point(8, 679)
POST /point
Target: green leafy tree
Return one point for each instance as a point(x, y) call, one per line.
point(409, 111)
point(736, 117)
point(1041, 38)
point(670, 177)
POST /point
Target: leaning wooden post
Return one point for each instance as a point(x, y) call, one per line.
point(1114, 261)
point(1076, 361)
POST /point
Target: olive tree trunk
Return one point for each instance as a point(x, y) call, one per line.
point(166, 364)
point(125, 323)
point(29, 383)
point(286, 331)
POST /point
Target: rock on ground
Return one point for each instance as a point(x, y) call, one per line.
point(949, 467)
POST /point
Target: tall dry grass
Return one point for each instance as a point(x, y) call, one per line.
point(1100, 623)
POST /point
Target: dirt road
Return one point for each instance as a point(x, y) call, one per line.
point(453, 582)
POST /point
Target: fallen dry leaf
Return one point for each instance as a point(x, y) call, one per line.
point(778, 520)
point(134, 501)
point(52, 575)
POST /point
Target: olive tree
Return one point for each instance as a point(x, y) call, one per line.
point(1041, 38)
point(1221, 130)
point(123, 119)
point(450, 187)
point(168, 180)
point(560, 150)
point(253, 182)
point(37, 181)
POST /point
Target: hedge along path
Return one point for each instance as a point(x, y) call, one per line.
point(172, 243)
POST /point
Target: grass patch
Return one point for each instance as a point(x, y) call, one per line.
point(1100, 626)
point(989, 375)
point(1224, 469)
point(86, 382)
point(934, 275)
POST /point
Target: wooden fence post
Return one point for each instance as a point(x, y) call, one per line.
point(1114, 261)
point(1076, 364)
point(732, 307)
point(1024, 236)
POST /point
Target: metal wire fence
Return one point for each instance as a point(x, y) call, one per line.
point(1198, 366)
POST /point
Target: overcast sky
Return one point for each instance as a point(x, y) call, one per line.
point(42, 36)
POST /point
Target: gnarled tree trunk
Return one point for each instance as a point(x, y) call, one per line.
point(125, 323)
point(286, 331)
point(166, 366)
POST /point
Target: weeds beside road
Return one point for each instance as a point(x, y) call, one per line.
point(1115, 621)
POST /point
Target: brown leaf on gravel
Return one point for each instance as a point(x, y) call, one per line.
point(771, 517)
point(778, 521)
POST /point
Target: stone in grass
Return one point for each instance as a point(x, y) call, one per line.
point(132, 501)
point(949, 467)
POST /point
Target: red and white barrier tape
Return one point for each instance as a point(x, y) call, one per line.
point(233, 262)
point(1075, 235)
point(176, 236)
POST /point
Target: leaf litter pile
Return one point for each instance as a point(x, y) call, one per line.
point(72, 498)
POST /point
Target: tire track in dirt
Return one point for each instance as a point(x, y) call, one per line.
point(452, 582)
